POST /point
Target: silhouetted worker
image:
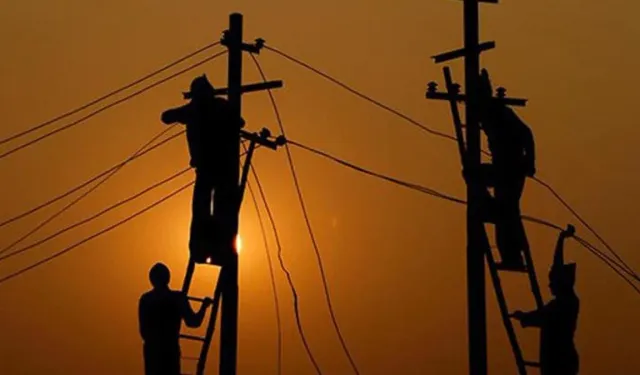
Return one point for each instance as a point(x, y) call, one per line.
point(160, 314)
point(211, 134)
point(557, 319)
point(513, 159)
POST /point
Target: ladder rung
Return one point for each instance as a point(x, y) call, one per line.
point(190, 337)
point(501, 268)
point(196, 299)
point(531, 364)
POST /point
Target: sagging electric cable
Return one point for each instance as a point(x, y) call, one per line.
point(109, 106)
point(109, 94)
point(305, 213)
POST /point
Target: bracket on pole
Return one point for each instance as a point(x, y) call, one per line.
point(254, 47)
point(263, 138)
point(433, 93)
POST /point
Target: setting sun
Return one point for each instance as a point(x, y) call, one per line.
point(238, 244)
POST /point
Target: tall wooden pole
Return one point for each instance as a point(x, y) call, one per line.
point(477, 320)
point(229, 272)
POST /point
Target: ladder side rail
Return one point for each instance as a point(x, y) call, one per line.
point(533, 279)
point(188, 276)
point(504, 311)
point(211, 325)
point(455, 114)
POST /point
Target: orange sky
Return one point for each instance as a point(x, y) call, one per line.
point(394, 258)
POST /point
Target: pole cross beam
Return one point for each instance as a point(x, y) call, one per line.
point(251, 87)
point(433, 93)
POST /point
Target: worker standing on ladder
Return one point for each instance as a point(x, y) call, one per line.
point(160, 313)
point(211, 134)
point(558, 319)
point(513, 159)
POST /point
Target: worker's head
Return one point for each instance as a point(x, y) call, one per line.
point(200, 89)
point(159, 276)
point(562, 279)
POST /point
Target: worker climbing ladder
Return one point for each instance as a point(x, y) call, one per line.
point(225, 296)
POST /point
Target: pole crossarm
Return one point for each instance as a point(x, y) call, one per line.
point(253, 87)
point(462, 52)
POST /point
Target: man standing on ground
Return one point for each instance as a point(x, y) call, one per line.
point(160, 312)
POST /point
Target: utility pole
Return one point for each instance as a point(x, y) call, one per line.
point(229, 274)
point(477, 243)
point(226, 290)
point(478, 211)
point(476, 235)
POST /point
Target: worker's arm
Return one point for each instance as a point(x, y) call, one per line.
point(193, 319)
point(175, 115)
point(142, 319)
point(529, 319)
point(558, 255)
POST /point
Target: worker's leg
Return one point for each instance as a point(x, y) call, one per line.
point(200, 214)
point(225, 208)
point(509, 229)
point(153, 361)
point(173, 363)
point(516, 231)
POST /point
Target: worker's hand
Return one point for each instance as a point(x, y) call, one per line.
point(569, 232)
point(518, 315)
point(208, 302)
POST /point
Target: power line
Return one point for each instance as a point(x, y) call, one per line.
point(85, 194)
point(86, 183)
point(95, 216)
point(308, 223)
point(361, 95)
point(420, 188)
point(276, 301)
point(422, 126)
point(589, 247)
point(584, 222)
point(603, 258)
point(87, 239)
point(108, 95)
point(111, 105)
point(294, 292)
point(86, 220)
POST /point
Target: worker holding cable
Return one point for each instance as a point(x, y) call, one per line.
point(558, 319)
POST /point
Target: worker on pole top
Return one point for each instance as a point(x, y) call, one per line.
point(212, 131)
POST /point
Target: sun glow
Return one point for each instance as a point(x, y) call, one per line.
point(238, 244)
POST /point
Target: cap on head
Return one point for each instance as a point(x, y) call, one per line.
point(200, 86)
point(564, 275)
point(485, 88)
point(159, 275)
